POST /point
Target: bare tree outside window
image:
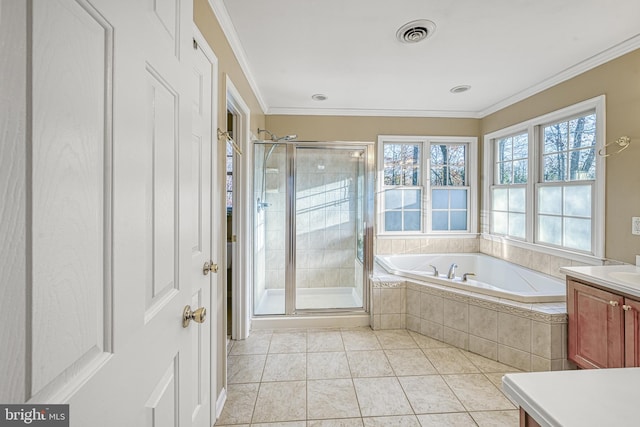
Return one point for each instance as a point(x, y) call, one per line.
point(569, 149)
point(401, 164)
point(448, 164)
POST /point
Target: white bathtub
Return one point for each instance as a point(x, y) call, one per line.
point(493, 276)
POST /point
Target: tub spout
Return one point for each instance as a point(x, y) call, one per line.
point(452, 271)
point(435, 270)
point(465, 276)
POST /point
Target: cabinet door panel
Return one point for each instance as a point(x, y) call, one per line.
point(596, 327)
point(631, 333)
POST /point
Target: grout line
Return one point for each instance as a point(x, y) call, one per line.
point(395, 375)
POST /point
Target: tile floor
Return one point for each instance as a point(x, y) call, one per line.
point(360, 377)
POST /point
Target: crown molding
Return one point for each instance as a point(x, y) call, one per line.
point(371, 112)
point(571, 72)
point(222, 15)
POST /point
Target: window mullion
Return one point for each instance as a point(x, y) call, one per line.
point(535, 162)
point(426, 184)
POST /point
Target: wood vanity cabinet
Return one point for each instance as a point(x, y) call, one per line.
point(604, 327)
point(527, 420)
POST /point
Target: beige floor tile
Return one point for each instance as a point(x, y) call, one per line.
point(425, 342)
point(245, 369)
point(477, 393)
point(281, 401)
point(285, 367)
point(254, 344)
point(430, 394)
point(288, 342)
point(410, 362)
point(238, 409)
point(327, 365)
point(495, 378)
point(497, 418)
point(454, 419)
point(360, 339)
point(369, 364)
point(395, 339)
point(343, 422)
point(331, 399)
point(381, 396)
point(397, 421)
point(449, 361)
point(324, 341)
point(334, 378)
point(488, 365)
point(282, 424)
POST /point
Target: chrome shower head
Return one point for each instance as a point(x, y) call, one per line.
point(275, 138)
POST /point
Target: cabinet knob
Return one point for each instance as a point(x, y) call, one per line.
point(613, 303)
point(626, 307)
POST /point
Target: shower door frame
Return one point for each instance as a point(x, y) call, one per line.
point(368, 149)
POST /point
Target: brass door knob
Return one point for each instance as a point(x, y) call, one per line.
point(198, 316)
point(209, 266)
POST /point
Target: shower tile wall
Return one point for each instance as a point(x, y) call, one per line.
point(325, 219)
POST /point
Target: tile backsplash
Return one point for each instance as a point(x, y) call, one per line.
point(538, 261)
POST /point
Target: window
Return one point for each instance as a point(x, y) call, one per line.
point(403, 195)
point(508, 195)
point(568, 176)
point(229, 182)
point(547, 185)
point(425, 184)
point(449, 191)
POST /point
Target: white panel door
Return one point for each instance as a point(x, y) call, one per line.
point(203, 265)
point(110, 215)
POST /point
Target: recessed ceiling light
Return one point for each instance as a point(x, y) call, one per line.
point(415, 31)
point(319, 97)
point(460, 89)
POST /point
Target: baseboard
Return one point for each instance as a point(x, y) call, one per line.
point(222, 398)
point(328, 321)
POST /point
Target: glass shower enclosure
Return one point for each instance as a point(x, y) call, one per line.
point(312, 206)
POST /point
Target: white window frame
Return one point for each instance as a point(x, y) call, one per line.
point(425, 183)
point(492, 183)
point(533, 128)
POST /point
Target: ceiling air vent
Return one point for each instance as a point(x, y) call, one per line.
point(415, 31)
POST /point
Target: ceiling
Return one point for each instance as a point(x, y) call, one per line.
point(347, 50)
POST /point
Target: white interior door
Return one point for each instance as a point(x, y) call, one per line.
point(108, 214)
point(204, 265)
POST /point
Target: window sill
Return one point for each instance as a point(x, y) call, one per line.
point(451, 235)
point(573, 256)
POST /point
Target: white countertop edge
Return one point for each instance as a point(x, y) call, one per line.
point(599, 276)
point(521, 398)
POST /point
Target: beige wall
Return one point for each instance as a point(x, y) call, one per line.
point(366, 129)
point(228, 65)
point(619, 80)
